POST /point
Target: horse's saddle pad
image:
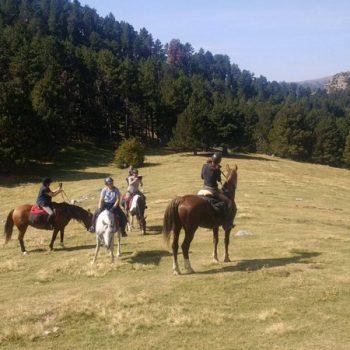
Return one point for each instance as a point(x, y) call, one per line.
point(37, 215)
point(204, 192)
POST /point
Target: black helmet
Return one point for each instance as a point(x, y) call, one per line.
point(216, 157)
point(135, 171)
point(108, 180)
point(47, 181)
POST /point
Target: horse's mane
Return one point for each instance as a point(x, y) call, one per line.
point(76, 212)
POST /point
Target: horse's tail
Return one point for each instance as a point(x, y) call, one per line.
point(8, 226)
point(171, 220)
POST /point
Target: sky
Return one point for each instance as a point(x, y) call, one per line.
point(283, 40)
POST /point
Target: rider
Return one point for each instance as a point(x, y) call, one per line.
point(134, 182)
point(211, 174)
point(44, 200)
point(110, 200)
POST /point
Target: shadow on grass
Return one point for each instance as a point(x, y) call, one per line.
point(68, 165)
point(234, 156)
point(149, 164)
point(158, 151)
point(154, 230)
point(77, 248)
point(150, 257)
point(258, 264)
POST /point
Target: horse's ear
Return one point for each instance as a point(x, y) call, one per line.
point(88, 210)
point(236, 167)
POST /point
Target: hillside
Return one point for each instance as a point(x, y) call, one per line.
point(315, 84)
point(287, 286)
point(70, 75)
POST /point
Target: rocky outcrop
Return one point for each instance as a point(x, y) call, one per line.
point(339, 81)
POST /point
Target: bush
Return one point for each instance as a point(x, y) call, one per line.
point(130, 152)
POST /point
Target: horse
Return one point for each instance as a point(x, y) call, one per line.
point(20, 217)
point(106, 227)
point(137, 208)
point(193, 211)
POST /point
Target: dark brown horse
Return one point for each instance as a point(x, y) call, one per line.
point(190, 212)
point(20, 217)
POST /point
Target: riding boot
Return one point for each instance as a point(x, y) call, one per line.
point(50, 222)
point(93, 220)
point(123, 229)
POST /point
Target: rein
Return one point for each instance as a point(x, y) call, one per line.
point(63, 193)
point(232, 186)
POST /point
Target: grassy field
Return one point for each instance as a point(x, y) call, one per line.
point(287, 287)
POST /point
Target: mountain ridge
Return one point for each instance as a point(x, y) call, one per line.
point(338, 81)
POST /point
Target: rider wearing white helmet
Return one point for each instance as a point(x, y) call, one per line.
point(110, 200)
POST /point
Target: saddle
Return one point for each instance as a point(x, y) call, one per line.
point(218, 206)
point(38, 216)
point(126, 202)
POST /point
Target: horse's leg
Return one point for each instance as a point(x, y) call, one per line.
point(112, 249)
point(54, 235)
point(132, 222)
point(227, 242)
point(119, 251)
point(215, 243)
point(62, 237)
point(175, 247)
point(22, 230)
point(97, 249)
point(128, 225)
point(189, 234)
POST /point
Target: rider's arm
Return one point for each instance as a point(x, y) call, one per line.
point(132, 180)
point(56, 192)
point(117, 202)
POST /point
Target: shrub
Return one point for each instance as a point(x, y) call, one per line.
point(130, 152)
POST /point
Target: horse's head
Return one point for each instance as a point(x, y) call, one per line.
point(230, 184)
point(105, 227)
point(79, 214)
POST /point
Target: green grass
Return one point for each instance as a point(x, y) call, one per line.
point(287, 286)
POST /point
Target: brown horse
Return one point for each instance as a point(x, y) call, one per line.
point(190, 212)
point(20, 217)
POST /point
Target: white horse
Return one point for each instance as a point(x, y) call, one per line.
point(137, 208)
point(105, 230)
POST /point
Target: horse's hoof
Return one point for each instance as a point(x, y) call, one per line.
point(227, 259)
point(176, 272)
point(62, 245)
point(190, 271)
point(25, 253)
point(215, 260)
point(119, 255)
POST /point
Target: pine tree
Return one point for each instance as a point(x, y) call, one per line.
point(328, 147)
point(346, 153)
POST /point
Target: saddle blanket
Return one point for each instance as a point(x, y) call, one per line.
point(37, 215)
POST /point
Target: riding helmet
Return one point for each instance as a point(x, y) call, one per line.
point(216, 157)
point(47, 181)
point(108, 180)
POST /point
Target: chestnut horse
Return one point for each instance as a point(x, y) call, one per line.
point(193, 211)
point(20, 217)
